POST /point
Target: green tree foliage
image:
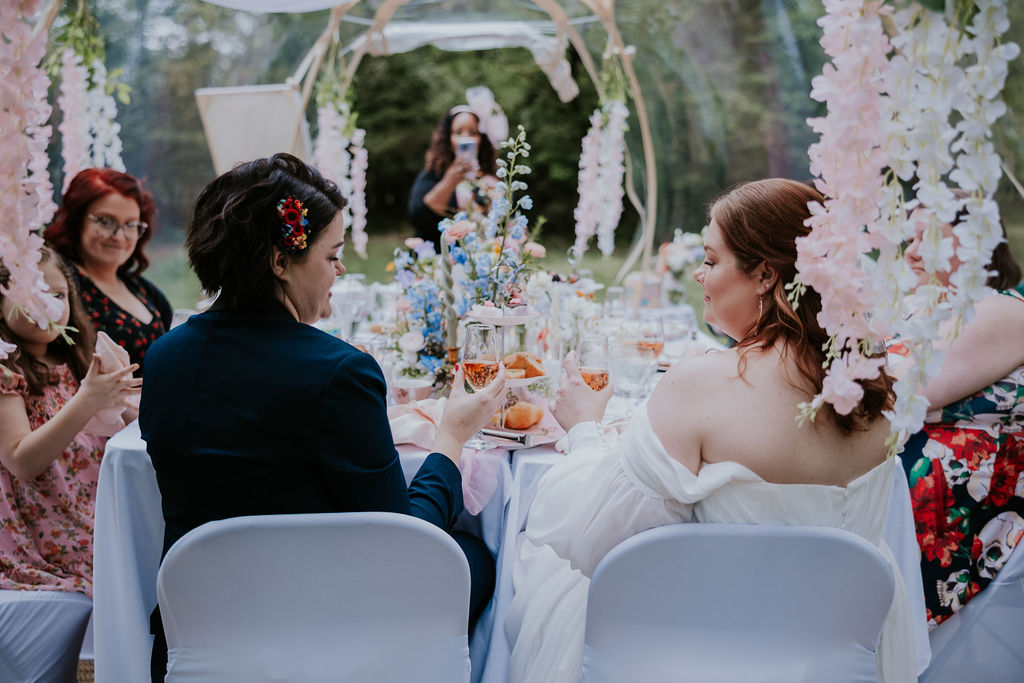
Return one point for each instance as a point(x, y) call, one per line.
point(726, 84)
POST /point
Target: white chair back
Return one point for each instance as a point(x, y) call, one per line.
point(984, 641)
point(40, 635)
point(725, 602)
point(367, 596)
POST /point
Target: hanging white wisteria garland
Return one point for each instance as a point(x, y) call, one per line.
point(896, 113)
point(25, 188)
point(340, 154)
point(602, 162)
point(90, 134)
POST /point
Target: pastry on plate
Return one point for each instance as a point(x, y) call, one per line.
point(522, 415)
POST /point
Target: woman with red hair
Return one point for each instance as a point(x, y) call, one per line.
point(105, 219)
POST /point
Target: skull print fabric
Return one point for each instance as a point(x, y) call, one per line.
point(966, 474)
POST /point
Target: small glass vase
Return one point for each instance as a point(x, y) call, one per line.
point(673, 291)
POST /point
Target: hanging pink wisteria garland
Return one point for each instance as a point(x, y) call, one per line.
point(25, 188)
point(896, 113)
point(602, 169)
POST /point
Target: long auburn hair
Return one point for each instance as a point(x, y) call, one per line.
point(77, 355)
point(65, 232)
point(760, 223)
point(440, 155)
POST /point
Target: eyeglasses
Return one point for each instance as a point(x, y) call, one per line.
point(110, 227)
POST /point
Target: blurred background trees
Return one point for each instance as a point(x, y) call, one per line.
point(727, 84)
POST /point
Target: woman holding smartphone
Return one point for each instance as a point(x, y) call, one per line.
point(462, 148)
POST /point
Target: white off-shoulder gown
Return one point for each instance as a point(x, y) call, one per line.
point(603, 493)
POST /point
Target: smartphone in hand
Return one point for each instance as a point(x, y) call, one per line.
point(465, 148)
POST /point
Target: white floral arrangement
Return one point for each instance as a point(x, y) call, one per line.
point(891, 105)
point(679, 256)
point(90, 133)
point(25, 188)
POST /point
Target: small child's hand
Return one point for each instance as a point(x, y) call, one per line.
point(102, 390)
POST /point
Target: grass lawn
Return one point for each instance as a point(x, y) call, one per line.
point(169, 269)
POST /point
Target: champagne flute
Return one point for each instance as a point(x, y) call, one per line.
point(480, 366)
point(480, 355)
point(592, 360)
point(651, 332)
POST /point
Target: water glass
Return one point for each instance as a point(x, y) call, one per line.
point(615, 303)
point(680, 325)
point(632, 367)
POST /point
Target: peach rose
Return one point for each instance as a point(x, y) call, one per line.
point(413, 242)
point(535, 250)
point(458, 230)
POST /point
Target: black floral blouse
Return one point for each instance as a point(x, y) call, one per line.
point(124, 328)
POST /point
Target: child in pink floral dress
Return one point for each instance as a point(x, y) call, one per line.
point(50, 387)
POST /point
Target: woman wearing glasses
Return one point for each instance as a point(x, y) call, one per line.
point(102, 226)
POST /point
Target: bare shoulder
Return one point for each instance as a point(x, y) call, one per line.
point(708, 368)
point(998, 325)
point(681, 409)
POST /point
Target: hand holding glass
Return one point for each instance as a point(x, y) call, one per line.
point(592, 361)
point(480, 365)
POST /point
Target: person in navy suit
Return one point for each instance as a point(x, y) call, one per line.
point(248, 409)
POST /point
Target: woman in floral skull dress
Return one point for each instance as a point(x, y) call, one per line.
point(966, 466)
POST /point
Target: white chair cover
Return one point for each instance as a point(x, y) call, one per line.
point(984, 641)
point(734, 602)
point(129, 538)
point(369, 596)
point(40, 635)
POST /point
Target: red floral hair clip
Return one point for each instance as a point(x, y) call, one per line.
point(293, 224)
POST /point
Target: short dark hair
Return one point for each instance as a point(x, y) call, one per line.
point(234, 226)
point(65, 232)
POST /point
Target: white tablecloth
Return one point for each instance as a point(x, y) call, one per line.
point(129, 537)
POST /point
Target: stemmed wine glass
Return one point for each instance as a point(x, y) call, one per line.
point(480, 365)
point(651, 332)
point(592, 360)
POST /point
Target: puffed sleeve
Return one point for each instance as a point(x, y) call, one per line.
point(357, 455)
point(12, 383)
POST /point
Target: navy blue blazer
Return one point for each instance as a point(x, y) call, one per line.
point(259, 414)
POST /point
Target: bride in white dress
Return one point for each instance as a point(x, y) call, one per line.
point(716, 442)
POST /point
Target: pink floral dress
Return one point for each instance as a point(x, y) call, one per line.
point(46, 524)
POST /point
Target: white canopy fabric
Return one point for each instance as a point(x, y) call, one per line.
point(244, 123)
point(547, 50)
point(263, 6)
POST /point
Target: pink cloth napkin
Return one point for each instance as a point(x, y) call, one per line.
point(109, 421)
point(417, 422)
